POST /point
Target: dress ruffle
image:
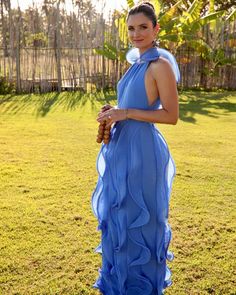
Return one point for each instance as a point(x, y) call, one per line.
point(135, 233)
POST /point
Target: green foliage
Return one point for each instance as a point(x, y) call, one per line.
point(218, 4)
point(6, 87)
point(180, 25)
point(157, 6)
point(187, 25)
point(195, 9)
point(212, 5)
point(121, 26)
point(111, 52)
point(211, 17)
point(232, 16)
point(130, 3)
point(166, 17)
point(36, 40)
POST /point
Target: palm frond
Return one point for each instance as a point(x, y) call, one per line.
point(194, 10)
point(232, 16)
point(130, 3)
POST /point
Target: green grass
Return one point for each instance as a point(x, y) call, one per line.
point(48, 232)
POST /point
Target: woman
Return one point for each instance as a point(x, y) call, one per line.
point(136, 170)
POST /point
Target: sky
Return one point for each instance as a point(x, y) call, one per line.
point(109, 4)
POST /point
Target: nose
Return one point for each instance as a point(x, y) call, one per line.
point(136, 33)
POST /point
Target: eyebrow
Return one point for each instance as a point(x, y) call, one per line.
point(139, 25)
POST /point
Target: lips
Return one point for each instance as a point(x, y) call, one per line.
point(138, 40)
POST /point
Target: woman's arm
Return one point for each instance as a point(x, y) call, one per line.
point(166, 84)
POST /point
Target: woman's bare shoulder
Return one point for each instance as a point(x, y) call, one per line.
point(161, 63)
point(161, 66)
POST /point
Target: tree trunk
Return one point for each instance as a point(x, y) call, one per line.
point(58, 46)
point(18, 78)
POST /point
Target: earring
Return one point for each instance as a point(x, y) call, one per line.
point(155, 43)
point(130, 45)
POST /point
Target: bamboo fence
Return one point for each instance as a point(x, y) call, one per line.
point(82, 69)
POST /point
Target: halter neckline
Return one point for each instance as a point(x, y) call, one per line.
point(133, 56)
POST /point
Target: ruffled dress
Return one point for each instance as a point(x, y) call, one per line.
point(132, 194)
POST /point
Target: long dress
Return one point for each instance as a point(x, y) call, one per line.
point(132, 194)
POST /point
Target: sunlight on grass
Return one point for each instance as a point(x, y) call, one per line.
point(47, 229)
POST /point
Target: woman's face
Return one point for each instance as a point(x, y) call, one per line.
point(141, 31)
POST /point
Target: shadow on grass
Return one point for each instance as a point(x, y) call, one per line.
point(204, 103)
point(190, 103)
point(6, 98)
point(44, 103)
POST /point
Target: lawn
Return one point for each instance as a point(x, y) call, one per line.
point(48, 232)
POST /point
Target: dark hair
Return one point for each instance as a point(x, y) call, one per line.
point(147, 9)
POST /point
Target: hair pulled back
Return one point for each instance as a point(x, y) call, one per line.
point(147, 9)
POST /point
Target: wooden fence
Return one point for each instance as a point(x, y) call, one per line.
point(198, 73)
point(83, 69)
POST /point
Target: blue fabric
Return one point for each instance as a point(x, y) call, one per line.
point(131, 198)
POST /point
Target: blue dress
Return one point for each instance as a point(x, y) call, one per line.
point(131, 198)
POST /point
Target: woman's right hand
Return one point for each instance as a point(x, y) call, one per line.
point(104, 108)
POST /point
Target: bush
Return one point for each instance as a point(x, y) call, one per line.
point(6, 87)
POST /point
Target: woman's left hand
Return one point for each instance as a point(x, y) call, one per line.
point(112, 116)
